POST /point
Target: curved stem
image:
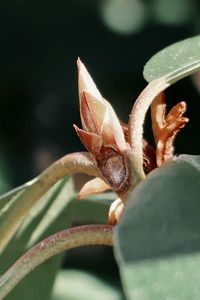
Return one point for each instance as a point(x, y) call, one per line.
point(59, 242)
point(72, 163)
point(153, 89)
point(136, 124)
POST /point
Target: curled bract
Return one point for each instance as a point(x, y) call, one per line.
point(102, 133)
point(166, 127)
point(107, 140)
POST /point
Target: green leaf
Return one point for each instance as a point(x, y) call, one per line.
point(175, 61)
point(8, 204)
point(80, 285)
point(53, 212)
point(48, 216)
point(93, 209)
point(9, 196)
point(158, 239)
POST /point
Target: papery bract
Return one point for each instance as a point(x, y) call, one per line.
point(102, 133)
point(97, 115)
point(107, 141)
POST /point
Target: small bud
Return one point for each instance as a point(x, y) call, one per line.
point(97, 115)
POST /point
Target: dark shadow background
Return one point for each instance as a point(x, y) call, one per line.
point(40, 42)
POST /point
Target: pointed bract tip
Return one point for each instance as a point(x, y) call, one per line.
point(79, 62)
point(183, 105)
point(85, 81)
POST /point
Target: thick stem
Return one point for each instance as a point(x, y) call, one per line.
point(153, 89)
point(59, 242)
point(136, 122)
point(72, 163)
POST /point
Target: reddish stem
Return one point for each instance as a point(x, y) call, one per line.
point(54, 244)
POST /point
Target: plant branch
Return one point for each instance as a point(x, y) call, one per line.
point(72, 163)
point(59, 242)
point(153, 89)
point(136, 122)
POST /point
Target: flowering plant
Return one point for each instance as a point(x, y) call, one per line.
point(153, 224)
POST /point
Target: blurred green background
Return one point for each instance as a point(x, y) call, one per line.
point(40, 42)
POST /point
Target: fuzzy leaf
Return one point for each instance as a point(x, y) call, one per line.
point(9, 196)
point(158, 244)
point(46, 217)
point(175, 61)
point(80, 285)
point(93, 209)
point(54, 212)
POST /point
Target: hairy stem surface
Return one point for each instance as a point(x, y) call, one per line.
point(153, 89)
point(136, 122)
point(69, 164)
point(59, 242)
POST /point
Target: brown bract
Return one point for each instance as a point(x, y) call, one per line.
point(106, 139)
point(102, 134)
point(166, 126)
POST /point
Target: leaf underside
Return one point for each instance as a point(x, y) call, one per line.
point(158, 239)
point(157, 242)
point(56, 210)
point(175, 60)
